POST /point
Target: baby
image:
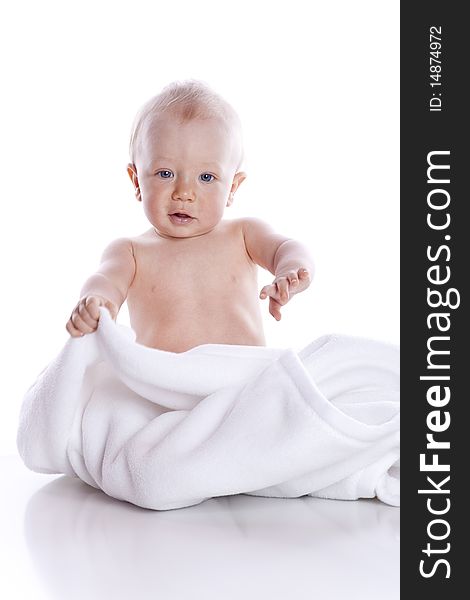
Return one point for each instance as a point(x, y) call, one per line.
point(191, 278)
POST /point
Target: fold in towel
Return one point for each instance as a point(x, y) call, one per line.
point(164, 430)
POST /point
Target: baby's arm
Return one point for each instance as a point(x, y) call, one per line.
point(107, 287)
point(288, 260)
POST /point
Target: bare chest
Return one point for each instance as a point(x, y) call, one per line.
point(191, 292)
point(193, 271)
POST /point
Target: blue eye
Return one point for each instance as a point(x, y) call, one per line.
point(165, 174)
point(205, 175)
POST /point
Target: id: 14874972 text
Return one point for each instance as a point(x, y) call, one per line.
point(435, 68)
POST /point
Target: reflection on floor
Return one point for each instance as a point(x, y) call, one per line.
point(82, 544)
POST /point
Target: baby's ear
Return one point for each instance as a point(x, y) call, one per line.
point(237, 180)
point(132, 172)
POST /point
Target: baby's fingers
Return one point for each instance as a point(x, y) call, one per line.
point(91, 306)
point(85, 326)
point(275, 309)
point(283, 289)
point(293, 278)
point(279, 290)
point(70, 327)
point(268, 290)
point(87, 311)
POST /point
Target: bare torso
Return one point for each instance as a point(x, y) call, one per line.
point(192, 291)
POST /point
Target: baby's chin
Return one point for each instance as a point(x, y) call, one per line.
point(184, 231)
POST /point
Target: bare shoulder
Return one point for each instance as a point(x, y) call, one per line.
point(254, 225)
point(228, 226)
point(256, 230)
point(120, 247)
point(142, 240)
point(250, 226)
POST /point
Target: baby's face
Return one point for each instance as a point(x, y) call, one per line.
point(186, 174)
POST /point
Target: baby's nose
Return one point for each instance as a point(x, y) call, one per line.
point(183, 193)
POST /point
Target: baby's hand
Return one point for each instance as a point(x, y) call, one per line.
point(281, 290)
point(86, 314)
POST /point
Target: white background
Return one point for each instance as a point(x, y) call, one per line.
point(316, 87)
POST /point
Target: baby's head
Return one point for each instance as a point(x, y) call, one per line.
point(186, 151)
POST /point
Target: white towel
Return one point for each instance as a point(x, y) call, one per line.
point(165, 430)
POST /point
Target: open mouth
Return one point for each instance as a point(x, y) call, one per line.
point(180, 218)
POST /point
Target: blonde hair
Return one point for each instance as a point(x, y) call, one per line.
point(188, 99)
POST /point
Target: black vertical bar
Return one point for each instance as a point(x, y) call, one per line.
point(434, 119)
